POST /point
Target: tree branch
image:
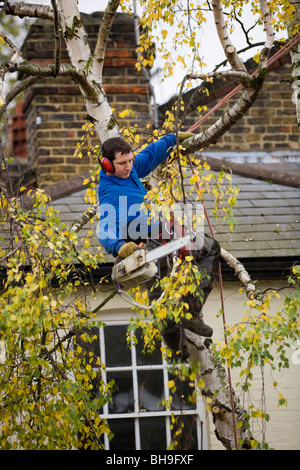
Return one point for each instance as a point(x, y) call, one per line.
point(57, 38)
point(85, 218)
point(228, 47)
point(222, 125)
point(29, 10)
point(82, 60)
point(65, 70)
point(293, 27)
point(26, 83)
point(75, 35)
point(225, 414)
point(242, 274)
point(270, 35)
point(243, 77)
point(104, 30)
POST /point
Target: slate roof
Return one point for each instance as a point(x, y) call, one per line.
point(268, 221)
point(267, 217)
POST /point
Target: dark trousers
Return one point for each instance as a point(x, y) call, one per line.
point(206, 256)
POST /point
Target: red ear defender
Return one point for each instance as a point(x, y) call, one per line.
point(105, 163)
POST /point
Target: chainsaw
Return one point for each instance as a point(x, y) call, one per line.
point(141, 266)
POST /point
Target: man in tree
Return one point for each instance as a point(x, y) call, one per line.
point(123, 225)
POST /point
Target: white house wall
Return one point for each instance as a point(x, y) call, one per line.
point(283, 431)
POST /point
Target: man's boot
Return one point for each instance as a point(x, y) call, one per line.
point(175, 339)
point(197, 325)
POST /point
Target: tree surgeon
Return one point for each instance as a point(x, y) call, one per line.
point(124, 225)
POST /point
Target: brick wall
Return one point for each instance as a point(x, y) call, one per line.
point(269, 126)
point(54, 108)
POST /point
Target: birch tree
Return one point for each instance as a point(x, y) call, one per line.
point(293, 26)
point(38, 362)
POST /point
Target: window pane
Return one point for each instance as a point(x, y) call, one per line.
point(153, 433)
point(123, 430)
point(151, 390)
point(117, 351)
point(145, 358)
point(122, 397)
point(187, 439)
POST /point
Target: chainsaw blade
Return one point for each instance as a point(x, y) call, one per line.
point(167, 249)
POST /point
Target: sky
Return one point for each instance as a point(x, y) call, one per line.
point(165, 88)
point(213, 53)
point(211, 48)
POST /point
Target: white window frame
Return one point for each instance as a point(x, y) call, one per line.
point(199, 410)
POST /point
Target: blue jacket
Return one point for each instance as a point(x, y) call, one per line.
point(120, 199)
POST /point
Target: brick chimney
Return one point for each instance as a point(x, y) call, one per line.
point(54, 108)
point(18, 132)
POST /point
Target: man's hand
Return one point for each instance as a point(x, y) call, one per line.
point(184, 135)
point(127, 249)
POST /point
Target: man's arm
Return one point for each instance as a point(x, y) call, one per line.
point(108, 229)
point(153, 155)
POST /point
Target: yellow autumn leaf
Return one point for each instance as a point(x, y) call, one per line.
point(171, 384)
point(38, 228)
point(194, 178)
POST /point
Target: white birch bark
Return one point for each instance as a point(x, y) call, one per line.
point(92, 65)
point(241, 273)
point(86, 67)
point(28, 10)
point(270, 34)
point(228, 47)
point(295, 57)
point(252, 86)
point(225, 416)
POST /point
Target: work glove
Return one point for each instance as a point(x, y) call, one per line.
point(127, 249)
point(184, 135)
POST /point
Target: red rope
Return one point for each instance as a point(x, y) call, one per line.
point(272, 59)
point(283, 50)
point(223, 313)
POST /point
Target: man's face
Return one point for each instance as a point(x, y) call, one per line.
point(123, 165)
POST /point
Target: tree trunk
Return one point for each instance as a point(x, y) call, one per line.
point(217, 391)
point(91, 65)
point(295, 57)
